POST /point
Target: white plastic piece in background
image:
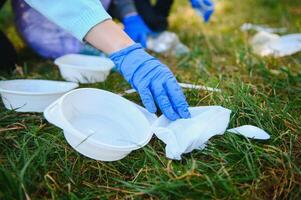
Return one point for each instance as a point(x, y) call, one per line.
point(185, 86)
point(32, 95)
point(99, 124)
point(258, 28)
point(250, 131)
point(167, 42)
point(84, 68)
point(268, 44)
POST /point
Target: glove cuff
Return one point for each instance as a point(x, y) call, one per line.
point(129, 60)
point(131, 19)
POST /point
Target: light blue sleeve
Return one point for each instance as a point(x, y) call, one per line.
point(75, 16)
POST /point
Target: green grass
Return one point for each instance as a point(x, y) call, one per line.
point(37, 163)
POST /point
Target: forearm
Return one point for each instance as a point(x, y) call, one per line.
point(108, 37)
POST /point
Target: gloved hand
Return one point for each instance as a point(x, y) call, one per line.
point(204, 8)
point(153, 81)
point(135, 27)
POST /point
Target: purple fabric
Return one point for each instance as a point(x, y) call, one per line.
point(106, 3)
point(44, 37)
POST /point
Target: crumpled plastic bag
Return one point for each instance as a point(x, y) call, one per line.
point(265, 28)
point(269, 44)
point(166, 42)
point(185, 135)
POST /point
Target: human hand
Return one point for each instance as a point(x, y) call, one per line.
point(153, 81)
point(135, 27)
point(204, 8)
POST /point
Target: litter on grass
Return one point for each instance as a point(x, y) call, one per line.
point(199, 87)
point(250, 132)
point(185, 135)
point(105, 126)
point(29, 95)
point(84, 68)
point(167, 42)
point(99, 124)
point(258, 28)
point(269, 44)
point(185, 86)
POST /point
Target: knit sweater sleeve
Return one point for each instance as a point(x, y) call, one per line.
point(75, 16)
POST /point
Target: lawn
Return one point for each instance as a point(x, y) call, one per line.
point(37, 163)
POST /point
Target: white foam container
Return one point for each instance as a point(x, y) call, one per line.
point(99, 124)
point(32, 95)
point(84, 68)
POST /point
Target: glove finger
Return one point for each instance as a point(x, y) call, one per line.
point(164, 103)
point(177, 98)
point(147, 99)
point(207, 15)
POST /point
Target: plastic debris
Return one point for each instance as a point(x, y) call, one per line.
point(167, 42)
point(269, 44)
point(185, 135)
point(265, 28)
point(92, 120)
point(99, 124)
point(199, 87)
point(250, 132)
point(84, 68)
point(32, 95)
point(185, 86)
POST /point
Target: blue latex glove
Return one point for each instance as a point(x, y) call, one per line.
point(135, 27)
point(204, 8)
point(153, 81)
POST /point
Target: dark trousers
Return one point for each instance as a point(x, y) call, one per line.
point(8, 55)
point(154, 15)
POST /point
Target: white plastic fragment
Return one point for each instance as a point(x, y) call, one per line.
point(185, 135)
point(167, 42)
point(268, 44)
point(130, 91)
point(250, 131)
point(258, 28)
point(198, 87)
point(185, 86)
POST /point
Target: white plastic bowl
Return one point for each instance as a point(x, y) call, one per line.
point(32, 95)
point(99, 124)
point(84, 68)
